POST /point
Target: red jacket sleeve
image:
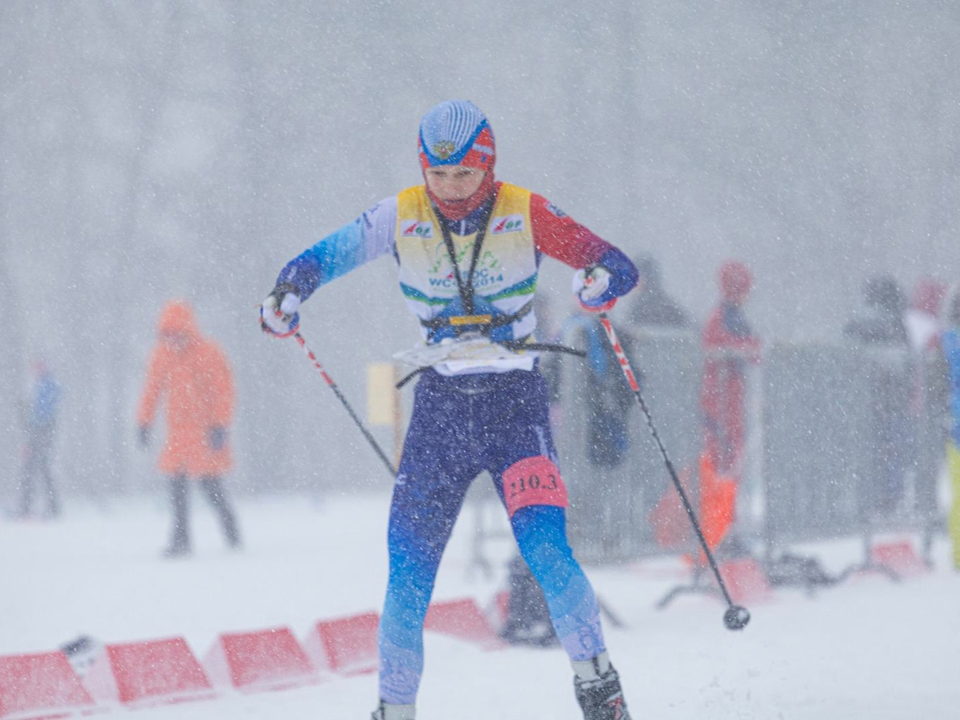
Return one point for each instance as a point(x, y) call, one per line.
point(221, 386)
point(561, 237)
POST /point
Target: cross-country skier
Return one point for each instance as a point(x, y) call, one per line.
point(468, 250)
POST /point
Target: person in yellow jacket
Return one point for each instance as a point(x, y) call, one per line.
point(951, 348)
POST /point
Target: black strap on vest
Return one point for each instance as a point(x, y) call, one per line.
point(488, 321)
point(514, 345)
point(459, 322)
point(466, 289)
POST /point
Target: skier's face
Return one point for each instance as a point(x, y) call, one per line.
point(453, 183)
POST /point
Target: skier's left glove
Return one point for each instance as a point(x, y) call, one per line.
point(278, 313)
point(592, 288)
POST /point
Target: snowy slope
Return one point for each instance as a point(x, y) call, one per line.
point(868, 650)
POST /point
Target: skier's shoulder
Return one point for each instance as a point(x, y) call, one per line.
point(414, 193)
point(385, 208)
point(509, 189)
point(546, 212)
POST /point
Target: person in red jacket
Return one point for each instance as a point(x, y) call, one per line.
point(193, 373)
point(729, 346)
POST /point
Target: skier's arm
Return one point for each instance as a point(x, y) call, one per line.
point(221, 383)
point(368, 237)
point(221, 397)
point(153, 389)
point(558, 235)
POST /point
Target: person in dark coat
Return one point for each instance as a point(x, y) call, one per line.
point(883, 323)
point(883, 333)
point(653, 306)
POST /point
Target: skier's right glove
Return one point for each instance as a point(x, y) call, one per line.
point(278, 313)
point(143, 436)
point(592, 288)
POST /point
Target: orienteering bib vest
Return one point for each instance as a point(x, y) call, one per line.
point(504, 279)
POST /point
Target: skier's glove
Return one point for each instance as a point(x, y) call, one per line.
point(592, 288)
point(217, 437)
point(278, 313)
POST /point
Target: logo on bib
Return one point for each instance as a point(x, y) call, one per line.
point(555, 210)
point(416, 228)
point(508, 224)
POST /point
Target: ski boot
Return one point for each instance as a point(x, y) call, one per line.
point(598, 691)
point(386, 711)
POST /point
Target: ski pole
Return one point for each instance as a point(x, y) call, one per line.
point(736, 617)
point(336, 390)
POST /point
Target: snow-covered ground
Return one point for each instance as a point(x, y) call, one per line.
point(866, 650)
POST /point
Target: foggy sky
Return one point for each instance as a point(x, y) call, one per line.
point(159, 149)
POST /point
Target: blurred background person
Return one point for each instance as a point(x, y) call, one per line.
point(922, 319)
point(608, 397)
point(882, 331)
point(40, 422)
point(192, 371)
point(730, 347)
point(930, 399)
point(951, 349)
point(652, 306)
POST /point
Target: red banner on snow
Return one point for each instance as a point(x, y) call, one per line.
point(346, 645)
point(41, 682)
point(259, 660)
point(154, 670)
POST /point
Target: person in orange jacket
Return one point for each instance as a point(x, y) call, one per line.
point(194, 374)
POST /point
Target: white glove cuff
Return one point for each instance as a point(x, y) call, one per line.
point(290, 304)
point(590, 287)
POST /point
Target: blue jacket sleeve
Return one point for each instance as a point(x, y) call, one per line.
point(356, 243)
point(951, 348)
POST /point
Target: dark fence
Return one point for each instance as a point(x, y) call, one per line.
point(842, 441)
point(616, 477)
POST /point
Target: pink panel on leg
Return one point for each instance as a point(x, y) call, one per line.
point(533, 481)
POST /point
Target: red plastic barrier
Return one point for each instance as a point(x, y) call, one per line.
point(462, 619)
point(900, 557)
point(745, 580)
point(347, 645)
point(260, 660)
point(154, 670)
point(41, 682)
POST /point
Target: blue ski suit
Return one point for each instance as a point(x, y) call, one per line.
point(494, 419)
